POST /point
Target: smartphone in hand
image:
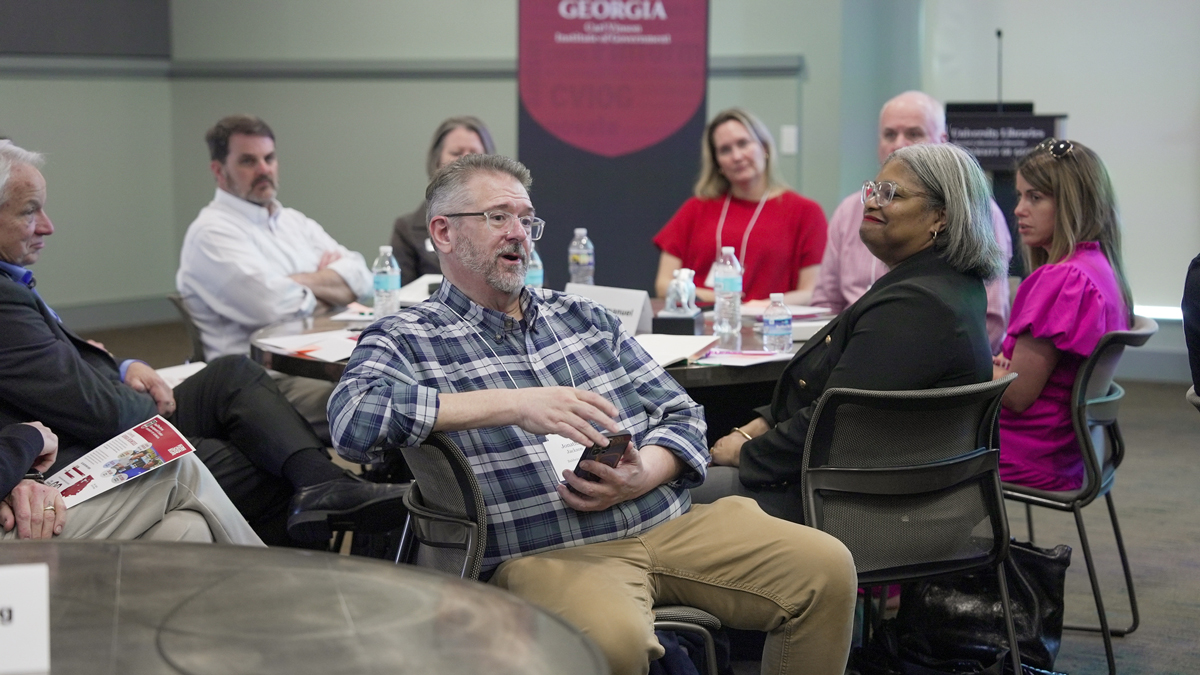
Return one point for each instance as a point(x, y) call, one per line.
point(609, 455)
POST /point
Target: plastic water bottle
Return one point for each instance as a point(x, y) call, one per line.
point(582, 258)
point(387, 283)
point(535, 273)
point(777, 326)
point(727, 282)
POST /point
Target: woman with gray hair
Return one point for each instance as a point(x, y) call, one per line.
point(920, 326)
point(454, 137)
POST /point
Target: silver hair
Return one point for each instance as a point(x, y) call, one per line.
point(449, 189)
point(953, 181)
point(10, 156)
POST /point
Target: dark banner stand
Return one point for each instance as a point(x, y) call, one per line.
point(612, 110)
point(998, 135)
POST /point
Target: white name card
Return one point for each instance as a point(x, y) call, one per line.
point(632, 307)
point(24, 619)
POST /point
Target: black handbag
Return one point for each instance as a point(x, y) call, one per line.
point(961, 617)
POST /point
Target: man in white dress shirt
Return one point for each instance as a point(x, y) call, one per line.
point(848, 269)
point(248, 261)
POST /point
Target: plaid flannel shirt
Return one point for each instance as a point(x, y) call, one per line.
point(388, 396)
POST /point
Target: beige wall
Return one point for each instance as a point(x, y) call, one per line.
point(1126, 74)
point(128, 166)
point(109, 187)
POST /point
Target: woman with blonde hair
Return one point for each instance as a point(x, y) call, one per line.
point(777, 235)
point(1077, 292)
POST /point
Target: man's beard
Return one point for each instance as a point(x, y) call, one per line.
point(249, 195)
point(488, 265)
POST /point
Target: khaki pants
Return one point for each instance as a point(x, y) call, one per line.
point(750, 570)
point(177, 502)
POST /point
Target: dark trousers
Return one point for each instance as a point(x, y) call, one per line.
point(244, 431)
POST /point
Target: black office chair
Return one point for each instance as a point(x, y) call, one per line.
point(1192, 397)
point(909, 482)
point(189, 325)
point(447, 530)
point(1095, 399)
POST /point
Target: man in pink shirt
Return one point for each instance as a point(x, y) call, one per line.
point(848, 268)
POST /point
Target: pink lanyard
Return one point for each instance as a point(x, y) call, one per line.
point(749, 228)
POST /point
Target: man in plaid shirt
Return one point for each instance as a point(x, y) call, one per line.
point(600, 554)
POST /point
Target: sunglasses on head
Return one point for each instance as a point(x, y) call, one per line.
point(1055, 147)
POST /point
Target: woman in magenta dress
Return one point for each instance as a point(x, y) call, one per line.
point(1077, 292)
point(778, 236)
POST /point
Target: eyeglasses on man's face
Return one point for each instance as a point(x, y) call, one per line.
point(502, 220)
point(884, 192)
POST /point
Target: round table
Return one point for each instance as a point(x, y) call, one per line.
point(689, 376)
point(152, 607)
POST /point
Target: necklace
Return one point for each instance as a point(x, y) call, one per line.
point(749, 228)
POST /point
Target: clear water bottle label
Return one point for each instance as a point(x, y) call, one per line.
point(387, 282)
point(728, 284)
point(777, 326)
point(585, 259)
point(535, 277)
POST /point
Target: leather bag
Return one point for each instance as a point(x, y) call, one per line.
point(961, 617)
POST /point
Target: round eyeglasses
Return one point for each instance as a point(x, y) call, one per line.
point(883, 192)
point(502, 220)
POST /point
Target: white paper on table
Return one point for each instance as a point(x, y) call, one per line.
point(668, 349)
point(718, 357)
point(803, 330)
point(25, 618)
point(175, 375)
point(755, 309)
point(354, 312)
point(308, 341)
point(417, 291)
point(331, 345)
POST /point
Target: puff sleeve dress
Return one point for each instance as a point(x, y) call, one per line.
point(1072, 303)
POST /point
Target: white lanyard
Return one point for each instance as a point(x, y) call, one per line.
point(749, 228)
point(497, 356)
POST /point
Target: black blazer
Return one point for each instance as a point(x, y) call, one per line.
point(921, 326)
point(50, 375)
point(408, 245)
point(1191, 319)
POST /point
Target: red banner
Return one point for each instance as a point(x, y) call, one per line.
point(612, 77)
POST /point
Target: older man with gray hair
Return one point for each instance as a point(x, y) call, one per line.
point(598, 553)
point(848, 269)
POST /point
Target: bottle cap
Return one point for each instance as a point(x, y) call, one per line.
point(777, 297)
point(581, 232)
point(385, 250)
point(726, 250)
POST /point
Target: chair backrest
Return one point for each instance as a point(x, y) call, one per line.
point(189, 325)
point(448, 514)
point(908, 480)
point(1095, 402)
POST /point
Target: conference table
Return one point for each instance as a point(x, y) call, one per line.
point(128, 608)
point(728, 393)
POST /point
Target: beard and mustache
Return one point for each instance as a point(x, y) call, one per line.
point(487, 264)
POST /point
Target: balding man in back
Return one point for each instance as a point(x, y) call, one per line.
point(848, 268)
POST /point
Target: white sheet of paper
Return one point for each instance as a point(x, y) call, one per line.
point(292, 343)
point(355, 312)
point(174, 375)
point(564, 453)
point(667, 349)
point(417, 290)
point(25, 618)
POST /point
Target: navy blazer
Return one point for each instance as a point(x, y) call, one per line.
point(50, 375)
point(920, 326)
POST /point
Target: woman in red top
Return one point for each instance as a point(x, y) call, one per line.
point(778, 235)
